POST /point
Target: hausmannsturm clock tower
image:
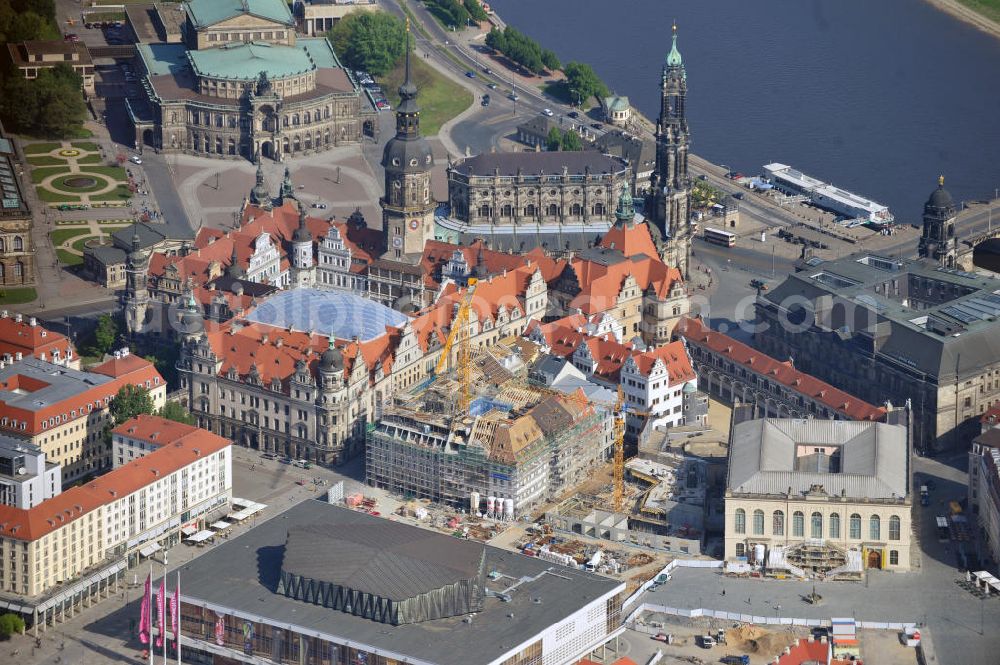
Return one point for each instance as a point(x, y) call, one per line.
point(407, 205)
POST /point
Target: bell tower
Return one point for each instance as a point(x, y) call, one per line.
point(136, 296)
point(669, 201)
point(938, 240)
point(407, 205)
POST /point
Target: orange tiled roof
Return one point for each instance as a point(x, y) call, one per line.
point(154, 429)
point(601, 284)
point(805, 651)
point(30, 340)
point(51, 514)
point(608, 354)
point(630, 239)
point(674, 357)
point(477, 255)
point(781, 372)
point(128, 370)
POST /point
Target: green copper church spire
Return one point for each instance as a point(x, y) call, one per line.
point(674, 57)
point(625, 213)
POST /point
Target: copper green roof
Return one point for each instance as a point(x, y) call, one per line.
point(674, 57)
point(616, 103)
point(205, 13)
point(246, 61)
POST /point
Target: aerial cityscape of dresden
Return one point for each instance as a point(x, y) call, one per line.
point(506, 332)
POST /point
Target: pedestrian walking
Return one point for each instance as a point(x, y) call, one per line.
point(723, 592)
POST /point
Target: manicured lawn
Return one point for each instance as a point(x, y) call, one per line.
point(89, 159)
point(40, 174)
point(113, 172)
point(79, 245)
point(441, 99)
point(85, 145)
point(120, 193)
point(80, 132)
point(55, 197)
point(67, 258)
point(45, 160)
point(38, 148)
point(60, 184)
point(59, 236)
point(17, 296)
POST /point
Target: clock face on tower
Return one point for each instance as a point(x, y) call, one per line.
point(397, 242)
point(414, 224)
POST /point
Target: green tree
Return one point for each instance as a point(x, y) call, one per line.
point(449, 12)
point(553, 141)
point(176, 411)
point(51, 105)
point(522, 50)
point(583, 82)
point(550, 60)
point(476, 11)
point(370, 41)
point(129, 402)
point(105, 334)
point(10, 624)
point(571, 142)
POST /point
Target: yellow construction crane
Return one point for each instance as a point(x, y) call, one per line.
point(621, 409)
point(460, 335)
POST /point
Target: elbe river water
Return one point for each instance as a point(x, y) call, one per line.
point(875, 96)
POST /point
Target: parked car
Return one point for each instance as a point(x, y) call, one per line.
point(596, 125)
point(285, 460)
point(268, 456)
point(486, 100)
point(661, 637)
point(548, 112)
point(71, 37)
point(135, 159)
point(573, 114)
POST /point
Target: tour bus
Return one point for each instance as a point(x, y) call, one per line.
point(719, 237)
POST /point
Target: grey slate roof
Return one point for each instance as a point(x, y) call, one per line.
point(536, 163)
point(240, 577)
point(896, 326)
point(381, 559)
point(874, 458)
point(61, 383)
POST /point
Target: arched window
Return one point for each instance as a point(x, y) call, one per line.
point(741, 550)
point(18, 244)
point(3, 246)
point(529, 211)
point(835, 525)
point(309, 142)
point(232, 147)
point(894, 524)
point(553, 210)
point(855, 527)
point(295, 120)
point(893, 557)
point(758, 522)
point(875, 528)
point(18, 269)
point(798, 524)
point(598, 208)
point(778, 523)
point(576, 210)
point(507, 210)
point(740, 522)
point(484, 211)
point(816, 526)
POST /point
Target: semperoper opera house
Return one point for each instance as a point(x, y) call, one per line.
point(241, 84)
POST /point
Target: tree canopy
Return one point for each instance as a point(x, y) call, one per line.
point(51, 105)
point(568, 141)
point(583, 82)
point(10, 624)
point(175, 411)
point(22, 20)
point(104, 335)
point(129, 402)
point(523, 50)
point(476, 11)
point(370, 41)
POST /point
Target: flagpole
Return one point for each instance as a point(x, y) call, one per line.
point(163, 604)
point(177, 627)
point(152, 646)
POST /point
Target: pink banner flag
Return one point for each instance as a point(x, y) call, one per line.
point(161, 620)
point(175, 610)
point(144, 609)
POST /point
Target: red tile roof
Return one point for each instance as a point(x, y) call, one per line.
point(992, 416)
point(631, 240)
point(76, 502)
point(154, 429)
point(477, 255)
point(696, 332)
point(30, 340)
point(128, 370)
point(805, 651)
point(673, 355)
point(601, 284)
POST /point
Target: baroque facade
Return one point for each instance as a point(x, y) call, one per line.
point(17, 254)
point(243, 85)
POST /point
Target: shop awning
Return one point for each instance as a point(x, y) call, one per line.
point(189, 530)
point(148, 549)
point(221, 525)
point(201, 536)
